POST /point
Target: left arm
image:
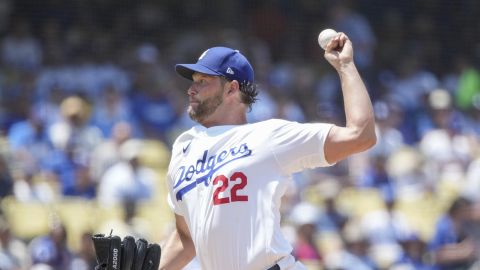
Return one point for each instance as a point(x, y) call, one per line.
point(359, 133)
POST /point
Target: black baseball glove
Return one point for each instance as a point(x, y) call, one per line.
point(114, 254)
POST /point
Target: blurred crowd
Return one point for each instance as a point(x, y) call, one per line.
point(84, 83)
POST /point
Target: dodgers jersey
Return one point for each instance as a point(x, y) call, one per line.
point(227, 183)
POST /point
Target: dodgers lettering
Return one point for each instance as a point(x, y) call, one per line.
point(206, 166)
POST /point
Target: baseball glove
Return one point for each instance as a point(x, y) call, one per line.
point(114, 254)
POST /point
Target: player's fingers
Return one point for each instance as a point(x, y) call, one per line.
point(348, 41)
point(332, 45)
point(337, 42)
point(342, 38)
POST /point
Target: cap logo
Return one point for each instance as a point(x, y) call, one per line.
point(230, 71)
point(203, 54)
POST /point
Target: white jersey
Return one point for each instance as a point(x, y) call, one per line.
point(227, 182)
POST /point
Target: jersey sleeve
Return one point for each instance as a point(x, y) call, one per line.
point(172, 205)
point(297, 146)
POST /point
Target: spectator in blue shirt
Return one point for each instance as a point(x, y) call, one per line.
point(451, 246)
point(29, 142)
point(52, 249)
point(414, 253)
point(112, 108)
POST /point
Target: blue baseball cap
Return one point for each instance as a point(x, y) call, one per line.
point(220, 61)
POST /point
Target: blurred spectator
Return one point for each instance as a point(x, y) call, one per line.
point(290, 110)
point(468, 83)
point(70, 174)
point(85, 258)
point(129, 223)
point(444, 142)
point(414, 254)
point(107, 153)
point(305, 248)
point(85, 79)
point(385, 227)
point(451, 246)
point(300, 92)
point(473, 229)
point(51, 249)
point(20, 49)
point(440, 114)
point(355, 254)
point(406, 167)
point(73, 131)
point(408, 87)
point(27, 133)
point(33, 188)
point(29, 143)
point(465, 82)
point(473, 118)
point(265, 108)
point(83, 186)
point(471, 187)
point(328, 89)
point(412, 83)
point(127, 180)
point(305, 216)
point(378, 177)
point(389, 116)
point(331, 218)
point(13, 252)
point(153, 96)
point(154, 109)
point(110, 108)
point(47, 106)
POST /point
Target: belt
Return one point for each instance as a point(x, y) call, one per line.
point(275, 267)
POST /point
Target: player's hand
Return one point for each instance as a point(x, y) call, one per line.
point(339, 51)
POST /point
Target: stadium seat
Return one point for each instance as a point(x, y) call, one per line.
point(27, 219)
point(357, 202)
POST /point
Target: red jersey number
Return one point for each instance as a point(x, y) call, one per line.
point(240, 181)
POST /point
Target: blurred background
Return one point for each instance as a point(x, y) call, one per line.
point(90, 105)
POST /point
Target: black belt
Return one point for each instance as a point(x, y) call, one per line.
point(275, 267)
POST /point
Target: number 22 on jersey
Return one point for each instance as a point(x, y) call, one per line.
point(239, 180)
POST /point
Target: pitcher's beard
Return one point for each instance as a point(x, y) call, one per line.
point(205, 108)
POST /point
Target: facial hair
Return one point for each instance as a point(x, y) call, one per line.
point(205, 108)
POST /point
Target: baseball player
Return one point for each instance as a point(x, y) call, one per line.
point(226, 177)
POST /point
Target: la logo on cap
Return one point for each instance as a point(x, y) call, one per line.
point(230, 71)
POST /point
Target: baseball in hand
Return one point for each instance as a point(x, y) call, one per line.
point(325, 36)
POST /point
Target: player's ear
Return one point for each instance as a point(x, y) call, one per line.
point(233, 87)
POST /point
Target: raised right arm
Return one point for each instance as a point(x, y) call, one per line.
point(359, 133)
